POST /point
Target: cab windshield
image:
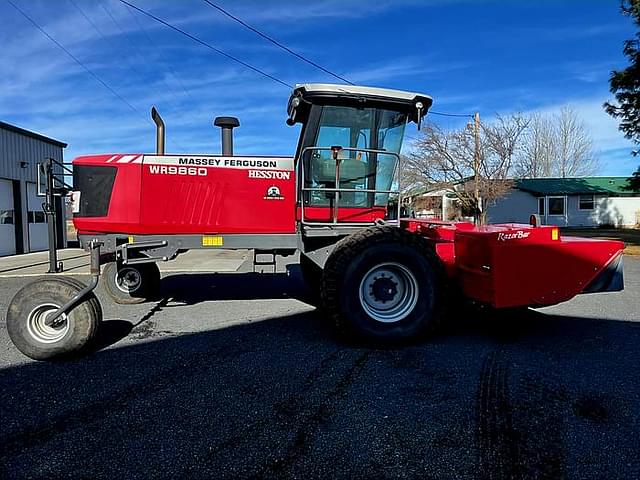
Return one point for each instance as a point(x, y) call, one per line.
point(364, 128)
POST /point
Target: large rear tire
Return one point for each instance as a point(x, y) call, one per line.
point(131, 284)
point(28, 312)
point(383, 284)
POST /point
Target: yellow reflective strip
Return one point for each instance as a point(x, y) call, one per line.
point(212, 241)
point(130, 238)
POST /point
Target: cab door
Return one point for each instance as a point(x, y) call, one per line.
point(365, 176)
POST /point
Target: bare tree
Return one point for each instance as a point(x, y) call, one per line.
point(557, 145)
point(538, 149)
point(575, 147)
point(447, 159)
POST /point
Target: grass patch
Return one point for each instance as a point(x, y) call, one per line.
point(630, 236)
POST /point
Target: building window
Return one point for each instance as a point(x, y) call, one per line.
point(556, 205)
point(586, 202)
point(6, 217)
point(541, 206)
point(36, 217)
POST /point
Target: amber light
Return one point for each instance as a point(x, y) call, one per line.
point(555, 234)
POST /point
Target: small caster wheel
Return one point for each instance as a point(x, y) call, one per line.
point(130, 284)
point(39, 338)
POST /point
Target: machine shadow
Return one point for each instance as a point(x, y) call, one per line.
point(194, 288)
point(280, 398)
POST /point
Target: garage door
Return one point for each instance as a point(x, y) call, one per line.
point(38, 234)
point(7, 216)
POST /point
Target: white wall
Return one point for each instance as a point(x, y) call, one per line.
point(619, 211)
point(515, 207)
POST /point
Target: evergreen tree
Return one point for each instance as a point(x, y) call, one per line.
point(625, 85)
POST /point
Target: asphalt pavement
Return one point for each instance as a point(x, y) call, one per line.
point(237, 376)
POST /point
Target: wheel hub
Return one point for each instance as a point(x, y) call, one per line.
point(388, 292)
point(39, 329)
point(384, 289)
point(128, 280)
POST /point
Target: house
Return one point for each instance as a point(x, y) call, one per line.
point(569, 202)
point(436, 201)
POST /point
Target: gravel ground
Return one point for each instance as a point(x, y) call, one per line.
point(244, 379)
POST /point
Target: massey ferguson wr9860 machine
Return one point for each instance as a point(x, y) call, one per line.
point(378, 277)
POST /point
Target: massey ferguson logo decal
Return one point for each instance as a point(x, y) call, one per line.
point(242, 163)
point(228, 162)
point(503, 237)
point(276, 168)
point(273, 193)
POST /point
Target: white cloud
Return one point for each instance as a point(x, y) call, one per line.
point(400, 67)
point(572, 32)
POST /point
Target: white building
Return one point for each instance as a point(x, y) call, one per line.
point(570, 202)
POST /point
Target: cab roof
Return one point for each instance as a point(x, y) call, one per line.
point(303, 96)
point(328, 89)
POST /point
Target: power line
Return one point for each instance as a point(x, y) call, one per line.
point(451, 114)
point(135, 49)
point(276, 42)
point(266, 37)
point(77, 60)
point(91, 22)
point(111, 43)
point(303, 58)
point(141, 28)
point(208, 45)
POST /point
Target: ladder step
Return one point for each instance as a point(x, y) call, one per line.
point(259, 258)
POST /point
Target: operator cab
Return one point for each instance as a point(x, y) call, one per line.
point(348, 153)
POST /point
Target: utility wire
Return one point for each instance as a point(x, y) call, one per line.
point(112, 44)
point(266, 37)
point(451, 114)
point(132, 64)
point(303, 58)
point(136, 51)
point(86, 17)
point(276, 42)
point(77, 60)
point(208, 45)
point(141, 28)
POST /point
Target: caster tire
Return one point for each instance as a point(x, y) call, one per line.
point(29, 308)
point(131, 284)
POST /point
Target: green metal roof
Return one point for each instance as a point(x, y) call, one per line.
point(611, 186)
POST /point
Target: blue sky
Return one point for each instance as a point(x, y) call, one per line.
point(493, 57)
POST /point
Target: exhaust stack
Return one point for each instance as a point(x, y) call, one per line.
point(157, 119)
point(227, 124)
